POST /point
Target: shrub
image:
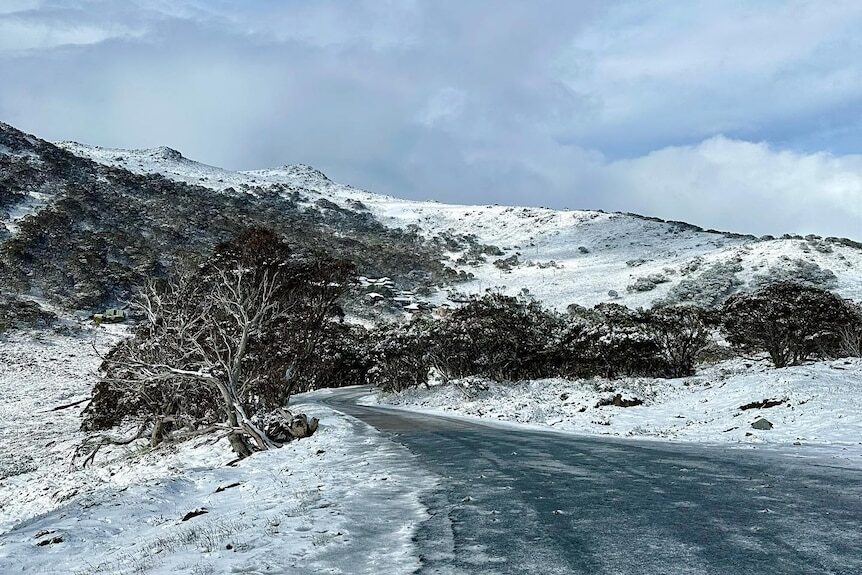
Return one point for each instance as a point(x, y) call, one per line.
point(399, 355)
point(609, 341)
point(681, 333)
point(340, 358)
point(494, 336)
point(850, 335)
point(788, 321)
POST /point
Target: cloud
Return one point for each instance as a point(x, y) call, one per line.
point(683, 71)
point(446, 105)
point(34, 25)
point(23, 35)
point(690, 110)
point(742, 185)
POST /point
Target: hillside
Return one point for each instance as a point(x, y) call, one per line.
point(80, 235)
point(561, 257)
point(82, 225)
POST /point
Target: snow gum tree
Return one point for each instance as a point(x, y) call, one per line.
point(788, 321)
point(399, 355)
point(222, 347)
point(681, 333)
point(495, 336)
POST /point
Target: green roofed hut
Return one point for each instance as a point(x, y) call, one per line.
point(110, 315)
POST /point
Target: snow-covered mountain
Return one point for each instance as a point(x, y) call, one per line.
point(560, 256)
point(80, 226)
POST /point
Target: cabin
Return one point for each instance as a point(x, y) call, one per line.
point(110, 315)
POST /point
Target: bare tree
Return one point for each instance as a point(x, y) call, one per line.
point(850, 335)
point(221, 347)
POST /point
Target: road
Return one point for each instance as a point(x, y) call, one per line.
point(513, 501)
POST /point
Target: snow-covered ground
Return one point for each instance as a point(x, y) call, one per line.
point(33, 202)
point(820, 404)
point(592, 252)
point(343, 501)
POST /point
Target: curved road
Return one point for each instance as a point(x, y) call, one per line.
point(534, 502)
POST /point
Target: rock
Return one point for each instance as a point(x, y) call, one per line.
point(765, 404)
point(762, 424)
point(50, 541)
point(195, 513)
point(618, 401)
point(221, 488)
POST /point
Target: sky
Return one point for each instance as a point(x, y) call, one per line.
point(740, 116)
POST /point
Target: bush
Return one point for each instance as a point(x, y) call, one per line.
point(399, 355)
point(850, 336)
point(788, 321)
point(494, 336)
point(340, 358)
point(617, 344)
point(681, 334)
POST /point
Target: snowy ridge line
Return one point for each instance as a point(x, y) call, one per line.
point(560, 256)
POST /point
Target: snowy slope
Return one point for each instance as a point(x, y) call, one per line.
point(819, 404)
point(345, 500)
point(592, 252)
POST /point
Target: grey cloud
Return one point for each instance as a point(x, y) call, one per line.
point(578, 104)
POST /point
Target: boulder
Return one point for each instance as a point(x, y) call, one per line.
point(282, 426)
point(762, 424)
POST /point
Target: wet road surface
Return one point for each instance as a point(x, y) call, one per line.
point(513, 501)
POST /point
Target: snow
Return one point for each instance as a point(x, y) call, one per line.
point(821, 404)
point(538, 235)
point(34, 201)
point(346, 500)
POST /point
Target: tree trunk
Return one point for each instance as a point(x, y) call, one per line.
point(238, 441)
point(157, 433)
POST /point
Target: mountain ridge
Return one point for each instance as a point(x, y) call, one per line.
point(56, 195)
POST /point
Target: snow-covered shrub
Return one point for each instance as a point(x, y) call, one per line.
point(709, 289)
point(340, 358)
point(647, 283)
point(495, 336)
point(608, 341)
point(795, 270)
point(850, 336)
point(681, 333)
point(399, 355)
point(21, 313)
point(691, 266)
point(789, 321)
